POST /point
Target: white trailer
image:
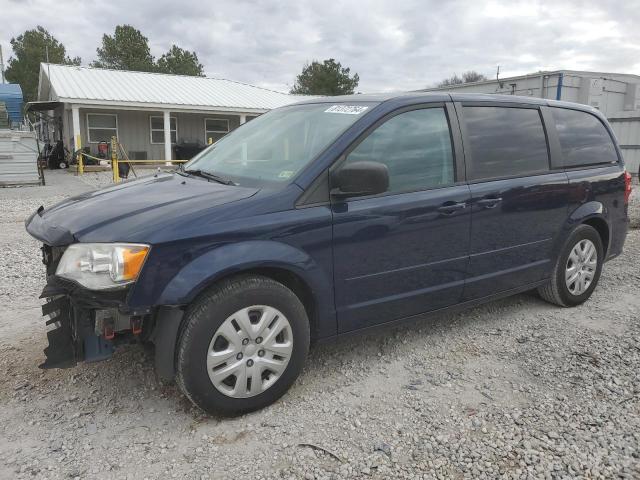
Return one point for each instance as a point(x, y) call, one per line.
point(616, 95)
point(18, 158)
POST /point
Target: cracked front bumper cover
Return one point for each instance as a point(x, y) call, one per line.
point(61, 351)
point(70, 309)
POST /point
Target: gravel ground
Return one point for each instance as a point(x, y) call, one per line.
point(517, 388)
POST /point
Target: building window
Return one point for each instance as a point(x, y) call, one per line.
point(215, 128)
point(157, 129)
point(101, 127)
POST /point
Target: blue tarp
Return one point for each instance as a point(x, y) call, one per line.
point(11, 95)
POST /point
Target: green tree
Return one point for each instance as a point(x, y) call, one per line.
point(29, 49)
point(127, 49)
point(467, 77)
point(180, 62)
point(326, 78)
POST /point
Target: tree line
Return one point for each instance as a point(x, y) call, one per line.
point(128, 49)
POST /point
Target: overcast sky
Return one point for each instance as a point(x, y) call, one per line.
point(392, 45)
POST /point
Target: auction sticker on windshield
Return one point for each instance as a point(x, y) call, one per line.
point(285, 174)
point(346, 109)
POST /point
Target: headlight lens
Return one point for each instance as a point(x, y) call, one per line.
point(99, 266)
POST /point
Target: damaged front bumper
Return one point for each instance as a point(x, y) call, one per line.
point(84, 323)
point(88, 325)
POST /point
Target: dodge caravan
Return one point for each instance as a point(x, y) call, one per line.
point(325, 218)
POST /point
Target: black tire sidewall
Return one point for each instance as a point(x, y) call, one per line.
point(583, 232)
point(205, 319)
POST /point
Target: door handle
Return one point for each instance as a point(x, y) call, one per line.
point(489, 202)
point(450, 208)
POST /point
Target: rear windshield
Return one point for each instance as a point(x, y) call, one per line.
point(273, 148)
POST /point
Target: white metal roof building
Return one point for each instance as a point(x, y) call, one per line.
point(617, 95)
point(149, 112)
point(85, 85)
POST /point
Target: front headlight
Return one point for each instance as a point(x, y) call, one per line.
point(98, 266)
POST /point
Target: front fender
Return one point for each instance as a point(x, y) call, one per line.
point(225, 260)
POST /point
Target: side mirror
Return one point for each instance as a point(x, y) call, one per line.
point(359, 179)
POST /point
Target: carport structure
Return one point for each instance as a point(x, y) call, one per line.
point(149, 113)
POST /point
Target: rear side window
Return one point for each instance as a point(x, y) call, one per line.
point(416, 148)
point(583, 138)
point(505, 142)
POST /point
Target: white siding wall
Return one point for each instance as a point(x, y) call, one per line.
point(134, 131)
point(626, 126)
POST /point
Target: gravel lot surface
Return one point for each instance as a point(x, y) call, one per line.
point(517, 388)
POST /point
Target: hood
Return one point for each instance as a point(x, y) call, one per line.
point(126, 211)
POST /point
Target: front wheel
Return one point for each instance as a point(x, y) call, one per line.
point(243, 344)
point(577, 269)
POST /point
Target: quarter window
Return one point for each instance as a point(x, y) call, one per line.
point(583, 138)
point(505, 142)
point(157, 129)
point(101, 127)
point(416, 148)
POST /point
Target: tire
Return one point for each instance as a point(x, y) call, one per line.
point(557, 291)
point(206, 324)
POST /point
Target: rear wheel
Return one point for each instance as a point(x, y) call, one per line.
point(577, 269)
point(243, 344)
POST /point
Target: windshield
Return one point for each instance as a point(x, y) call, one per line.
point(274, 147)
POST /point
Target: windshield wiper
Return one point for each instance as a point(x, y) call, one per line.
point(209, 176)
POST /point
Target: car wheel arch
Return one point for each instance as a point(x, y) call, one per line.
point(168, 330)
point(281, 274)
point(279, 261)
point(594, 214)
point(600, 225)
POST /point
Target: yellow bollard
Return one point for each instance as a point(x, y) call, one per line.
point(80, 158)
point(114, 160)
point(210, 140)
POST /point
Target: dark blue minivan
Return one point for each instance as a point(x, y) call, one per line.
point(327, 217)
